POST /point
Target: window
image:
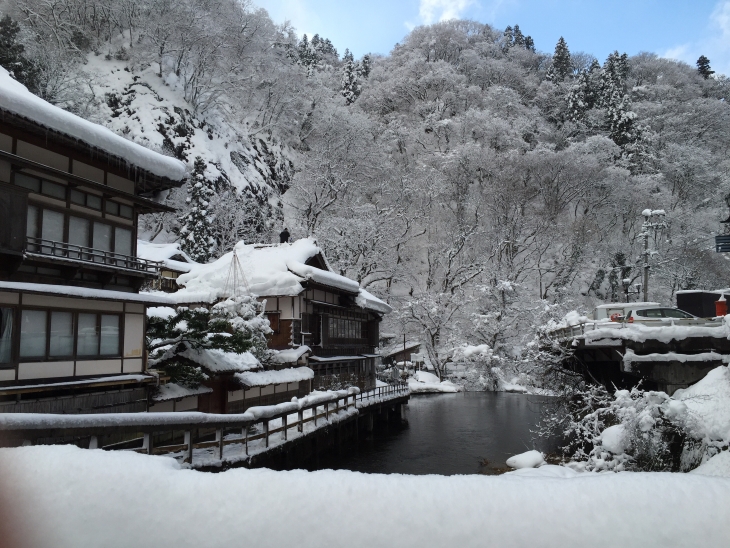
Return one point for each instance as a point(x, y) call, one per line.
point(62, 334)
point(6, 335)
point(102, 237)
point(58, 334)
point(123, 241)
point(53, 189)
point(674, 313)
point(340, 328)
point(33, 334)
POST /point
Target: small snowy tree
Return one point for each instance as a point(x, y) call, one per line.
point(350, 85)
point(197, 223)
point(703, 67)
point(561, 67)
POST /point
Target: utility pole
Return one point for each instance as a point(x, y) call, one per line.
point(653, 221)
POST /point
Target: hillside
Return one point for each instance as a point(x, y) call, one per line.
point(477, 183)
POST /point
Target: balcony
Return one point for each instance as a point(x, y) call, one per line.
point(90, 257)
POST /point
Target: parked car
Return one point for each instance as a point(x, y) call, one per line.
point(613, 310)
point(652, 314)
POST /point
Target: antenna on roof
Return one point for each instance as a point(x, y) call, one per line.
point(235, 279)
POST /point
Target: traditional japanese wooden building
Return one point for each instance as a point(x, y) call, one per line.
point(320, 320)
point(72, 323)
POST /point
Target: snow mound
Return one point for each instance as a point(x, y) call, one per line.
point(614, 439)
point(528, 459)
point(64, 497)
point(424, 382)
point(15, 98)
point(265, 378)
point(708, 404)
point(719, 465)
point(424, 376)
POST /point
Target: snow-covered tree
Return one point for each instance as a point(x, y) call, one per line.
point(561, 66)
point(350, 85)
point(196, 224)
point(703, 67)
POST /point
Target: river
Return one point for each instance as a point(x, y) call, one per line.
point(466, 433)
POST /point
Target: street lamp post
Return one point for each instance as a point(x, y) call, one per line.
point(654, 221)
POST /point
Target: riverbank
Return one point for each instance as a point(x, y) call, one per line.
point(61, 496)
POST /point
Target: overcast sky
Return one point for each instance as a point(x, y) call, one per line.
point(681, 29)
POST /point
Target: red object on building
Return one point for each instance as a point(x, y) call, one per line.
point(721, 307)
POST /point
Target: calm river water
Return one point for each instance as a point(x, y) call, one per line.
point(467, 433)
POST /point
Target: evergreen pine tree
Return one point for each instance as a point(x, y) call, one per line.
point(365, 66)
point(308, 57)
point(519, 39)
point(580, 97)
point(509, 37)
point(196, 234)
point(350, 87)
point(561, 61)
point(703, 67)
point(529, 44)
point(12, 58)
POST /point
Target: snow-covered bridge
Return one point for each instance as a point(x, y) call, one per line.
point(671, 356)
point(261, 436)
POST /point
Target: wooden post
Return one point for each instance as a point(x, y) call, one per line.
point(314, 410)
point(147, 444)
point(244, 435)
point(300, 426)
point(266, 432)
point(188, 457)
point(283, 423)
point(327, 411)
point(93, 443)
point(219, 439)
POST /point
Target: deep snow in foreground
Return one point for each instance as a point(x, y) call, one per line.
point(68, 497)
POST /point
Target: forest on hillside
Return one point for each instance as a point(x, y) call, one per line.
point(481, 183)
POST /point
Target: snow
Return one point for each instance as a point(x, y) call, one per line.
point(265, 378)
point(162, 312)
point(163, 253)
point(528, 459)
point(172, 391)
point(266, 269)
point(708, 403)
point(88, 293)
point(15, 98)
point(665, 333)
point(719, 465)
point(219, 361)
point(630, 356)
point(111, 379)
point(66, 497)
point(290, 355)
point(323, 277)
point(614, 439)
point(424, 382)
point(368, 301)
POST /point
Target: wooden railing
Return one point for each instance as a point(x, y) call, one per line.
point(51, 248)
point(29, 428)
point(581, 328)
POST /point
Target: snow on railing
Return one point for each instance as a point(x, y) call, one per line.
point(580, 329)
point(325, 406)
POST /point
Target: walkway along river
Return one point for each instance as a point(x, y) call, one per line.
point(466, 433)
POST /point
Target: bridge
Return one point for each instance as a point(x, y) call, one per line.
point(262, 436)
point(666, 356)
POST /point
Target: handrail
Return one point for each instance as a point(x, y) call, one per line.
point(73, 252)
point(39, 426)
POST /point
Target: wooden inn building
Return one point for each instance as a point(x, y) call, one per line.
point(72, 322)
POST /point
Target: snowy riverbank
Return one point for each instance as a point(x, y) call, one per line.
point(67, 497)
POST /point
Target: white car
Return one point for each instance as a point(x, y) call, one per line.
point(656, 314)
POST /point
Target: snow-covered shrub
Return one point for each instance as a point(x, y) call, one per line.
point(479, 363)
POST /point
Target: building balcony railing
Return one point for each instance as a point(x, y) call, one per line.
point(89, 255)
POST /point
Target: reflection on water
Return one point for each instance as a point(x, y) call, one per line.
point(468, 433)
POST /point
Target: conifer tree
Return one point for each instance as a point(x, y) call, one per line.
point(561, 61)
point(519, 39)
point(365, 66)
point(350, 86)
point(196, 232)
point(12, 58)
point(529, 44)
point(509, 37)
point(703, 67)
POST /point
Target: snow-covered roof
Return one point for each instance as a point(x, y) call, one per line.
point(15, 98)
point(394, 348)
point(270, 270)
point(266, 378)
point(290, 355)
point(368, 301)
point(172, 391)
point(218, 361)
point(88, 293)
point(167, 254)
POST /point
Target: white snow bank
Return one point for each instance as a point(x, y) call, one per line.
point(219, 361)
point(63, 497)
point(614, 439)
point(265, 378)
point(708, 403)
point(164, 253)
point(172, 391)
point(424, 382)
point(162, 312)
point(665, 333)
point(528, 459)
point(424, 376)
point(88, 293)
point(323, 277)
point(15, 98)
point(719, 465)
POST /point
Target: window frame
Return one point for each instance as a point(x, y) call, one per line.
point(75, 326)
